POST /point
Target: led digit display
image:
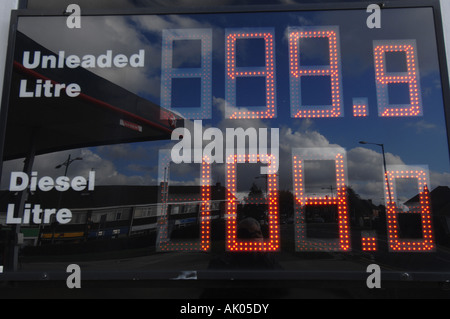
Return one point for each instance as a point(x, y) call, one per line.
point(422, 207)
point(369, 241)
point(165, 226)
point(233, 242)
point(183, 128)
point(298, 71)
point(233, 111)
point(410, 76)
point(304, 199)
point(170, 72)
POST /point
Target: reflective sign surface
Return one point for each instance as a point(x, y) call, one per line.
point(282, 141)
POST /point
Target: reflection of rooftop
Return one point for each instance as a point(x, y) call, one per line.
point(440, 200)
point(103, 114)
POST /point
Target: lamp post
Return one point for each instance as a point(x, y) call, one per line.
point(385, 168)
point(67, 163)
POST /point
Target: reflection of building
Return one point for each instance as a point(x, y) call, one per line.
point(317, 213)
point(440, 207)
point(117, 211)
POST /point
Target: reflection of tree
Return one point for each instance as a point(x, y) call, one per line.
point(255, 205)
point(363, 213)
point(286, 201)
point(440, 211)
point(359, 208)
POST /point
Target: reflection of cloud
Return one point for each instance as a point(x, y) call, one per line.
point(365, 169)
point(138, 168)
point(121, 34)
point(119, 151)
point(412, 23)
point(294, 139)
point(365, 172)
point(155, 24)
point(185, 182)
point(98, 34)
point(180, 171)
point(422, 125)
point(439, 179)
point(219, 104)
point(364, 165)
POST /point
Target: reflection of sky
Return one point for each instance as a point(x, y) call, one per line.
point(410, 140)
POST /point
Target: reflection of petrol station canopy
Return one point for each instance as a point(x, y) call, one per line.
point(103, 114)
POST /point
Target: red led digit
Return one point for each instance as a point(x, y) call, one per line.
point(169, 72)
point(410, 77)
point(164, 242)
point(360, 107)
point(360, 110)
point(233, 243)
point(233, 72)
point(422, 207)
point(298, 71)
point(369, 241)
point(303, 243)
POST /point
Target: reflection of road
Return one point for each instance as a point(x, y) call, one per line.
point(157, 262)
point(438, 261)
point(288, 258)
point(428, 262)
point(193, 261)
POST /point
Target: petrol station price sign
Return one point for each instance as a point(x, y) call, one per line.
point(233, 139)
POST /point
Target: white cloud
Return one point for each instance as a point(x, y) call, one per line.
point(301, 139)
point(422, 126)
point(106, 171)
point(97, 35)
